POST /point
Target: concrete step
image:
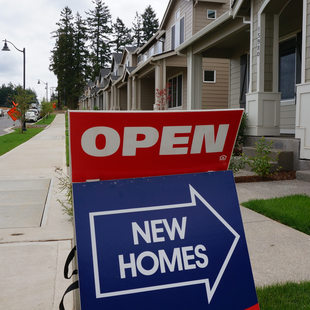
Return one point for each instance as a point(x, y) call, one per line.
point(282, 143)
point(283, 159)
point(303, 175)
point(303, 164)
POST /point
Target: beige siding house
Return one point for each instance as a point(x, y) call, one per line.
point(133, 82)
point(267, 43)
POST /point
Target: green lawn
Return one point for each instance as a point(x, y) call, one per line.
point(290, 296)
point(293, 211)
point(46, 120)
point(14, 139)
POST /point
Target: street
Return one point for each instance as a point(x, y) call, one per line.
point(6, 122)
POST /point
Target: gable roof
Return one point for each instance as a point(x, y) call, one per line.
point(117, 57)
point(235, 6)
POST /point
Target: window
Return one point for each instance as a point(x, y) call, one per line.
point(181, 30)
point(211, 14)
point(209, 76)
point(177, 33)
point(175, 91)
point(173, 37)
point(244, 80)
point(289, 68)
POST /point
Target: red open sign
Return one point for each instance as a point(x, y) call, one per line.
point(117, 145)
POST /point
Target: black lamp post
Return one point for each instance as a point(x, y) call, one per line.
point(6, 49)
point(46, 87)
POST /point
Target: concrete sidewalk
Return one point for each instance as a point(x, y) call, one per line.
point(36, 237)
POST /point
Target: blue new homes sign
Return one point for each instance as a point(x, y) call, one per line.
point(170, 242)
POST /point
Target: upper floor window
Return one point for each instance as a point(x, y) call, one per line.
point(211, 14)
point(177, 33)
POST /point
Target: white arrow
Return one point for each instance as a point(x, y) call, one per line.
point(194, 194)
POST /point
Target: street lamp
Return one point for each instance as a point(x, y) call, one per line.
point(6, 49)
point(46, 87)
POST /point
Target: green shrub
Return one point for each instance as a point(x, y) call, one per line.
point(46, 109)
point(65, 186)
point(241, 137)
point(237, 163)
point(261, 163)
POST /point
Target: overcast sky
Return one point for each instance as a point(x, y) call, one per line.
point(28, 24)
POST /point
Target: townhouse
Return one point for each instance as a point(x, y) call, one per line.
point(253, 54)
point(268, 45)
point(138, 74)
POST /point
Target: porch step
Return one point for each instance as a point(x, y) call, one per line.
point(287, 145)
point(303, 175)
point(284, 160)
point(304, 164)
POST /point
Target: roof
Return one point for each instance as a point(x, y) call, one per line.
point(166, 14)
point(131, 49)
point(235, 6)
point(114, 77)
point(104, 71)
point(130, 69)
point(117, 57)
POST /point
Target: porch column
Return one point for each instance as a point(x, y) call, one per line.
point(158, 81)
point(138, 104)
point(194, 80)
point(263, 100)
point(129, 94)
point(118, 98)
point(134, 93)
point(303, 90)
point(112, 98)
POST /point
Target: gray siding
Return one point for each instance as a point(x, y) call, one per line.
point(234, 89)
point(287, 117)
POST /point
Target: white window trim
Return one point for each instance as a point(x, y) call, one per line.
point(211, 10)
point(203, 76)
point(170, 78)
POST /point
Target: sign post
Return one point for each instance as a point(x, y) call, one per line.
point(154, 228)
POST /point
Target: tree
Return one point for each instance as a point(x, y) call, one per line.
point(122, 35)
point(150, 23)
point(23, 97)
point(46, 109)
point(137, 30)
point(99, 30)
point(81, 56)
point(8, 93)
point(62, 59)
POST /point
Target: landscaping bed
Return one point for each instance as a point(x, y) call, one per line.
point(277, 176)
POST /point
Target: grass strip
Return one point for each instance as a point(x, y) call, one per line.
point(289, 296)
point(67, 141)
point(293, 211)
point(46, 120)
point(14, 139)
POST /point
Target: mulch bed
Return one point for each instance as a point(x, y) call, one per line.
point(277, 176)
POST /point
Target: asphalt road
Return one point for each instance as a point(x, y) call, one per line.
point(6, 122)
